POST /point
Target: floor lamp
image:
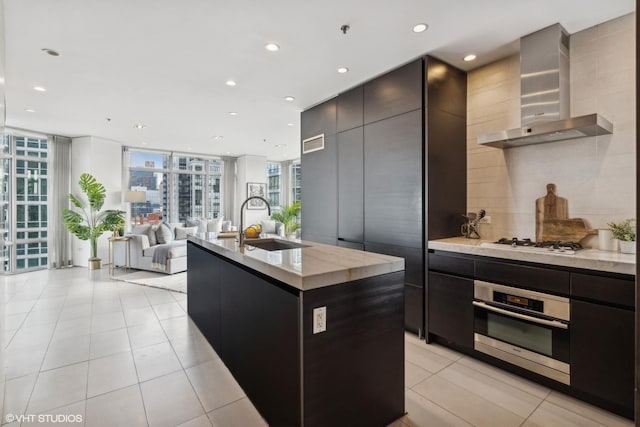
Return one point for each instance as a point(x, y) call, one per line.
point(135, 197)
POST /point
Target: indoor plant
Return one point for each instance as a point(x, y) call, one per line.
point(625, 232)
point(289, 217)
point(91, 222)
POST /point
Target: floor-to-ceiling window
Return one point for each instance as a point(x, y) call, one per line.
point(24, 180)
point(296, 181)
point(274, 177)
point(284, 183)
point(177, 186)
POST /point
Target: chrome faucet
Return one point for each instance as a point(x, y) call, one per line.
point(241, 233)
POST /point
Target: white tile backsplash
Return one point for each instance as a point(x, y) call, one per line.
point(596, 175)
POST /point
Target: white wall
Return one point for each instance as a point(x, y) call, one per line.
point(596, 175)
point(103, 159)
point(249, 169)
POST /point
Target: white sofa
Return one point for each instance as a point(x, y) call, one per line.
point(143, 245)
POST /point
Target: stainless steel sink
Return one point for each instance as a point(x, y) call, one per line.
point(274, 244)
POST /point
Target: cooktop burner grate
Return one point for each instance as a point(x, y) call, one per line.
point(551, 245)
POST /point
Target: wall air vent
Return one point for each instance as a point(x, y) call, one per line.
point(314, 143)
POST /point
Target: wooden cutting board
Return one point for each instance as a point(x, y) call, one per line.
point(553, 222)
point(566, 230)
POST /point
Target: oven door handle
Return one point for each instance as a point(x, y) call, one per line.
point(552, 323)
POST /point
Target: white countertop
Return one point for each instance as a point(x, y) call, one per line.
point(589, 259)
point(307, 268)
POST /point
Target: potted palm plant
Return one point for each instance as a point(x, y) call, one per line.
point(289, 217)
point(91, 222)
point(625, 232)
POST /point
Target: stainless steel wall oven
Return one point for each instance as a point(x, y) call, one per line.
point(526, 328)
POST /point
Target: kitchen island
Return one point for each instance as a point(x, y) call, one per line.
point(314, 335)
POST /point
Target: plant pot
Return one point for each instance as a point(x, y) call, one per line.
point(95, 263)
point(627, 247)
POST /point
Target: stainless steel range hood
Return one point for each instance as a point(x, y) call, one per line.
point(544, 96)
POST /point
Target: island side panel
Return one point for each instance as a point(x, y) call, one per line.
point(259, 331)
point(261, 343)
point(354, 371)
point(204, 293)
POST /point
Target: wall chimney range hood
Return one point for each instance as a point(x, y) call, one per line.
point(544, 96)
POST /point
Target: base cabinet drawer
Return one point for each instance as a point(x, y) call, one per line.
point(450, 309)
point(602, 353)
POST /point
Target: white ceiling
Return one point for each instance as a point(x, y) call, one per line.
point(164, 63)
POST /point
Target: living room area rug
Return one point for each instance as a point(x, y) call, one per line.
point(172, 282)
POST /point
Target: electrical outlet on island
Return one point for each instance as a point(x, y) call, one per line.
point(319, 319)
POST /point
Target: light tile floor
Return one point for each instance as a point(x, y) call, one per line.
point(119, 354)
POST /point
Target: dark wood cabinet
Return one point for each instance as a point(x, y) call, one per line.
point(393, 93)
point(320, 119)
point(350, 109)
point(393, 206)
point(450, 314)
point(602, 353)
point(602, 321)
point(413, 260)
point(400, 164)
point(351, 185)
point(320, 178)
point(524, 276)
point(611, 290)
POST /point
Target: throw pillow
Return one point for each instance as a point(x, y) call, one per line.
point(183, 232)
point(197, 222)
point(147, 230)
point(215, 225)
point(153, 240)
point(164, 233)
point(268, 226)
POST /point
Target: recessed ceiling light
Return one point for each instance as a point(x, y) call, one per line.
point(144, 143)
point(343, 70)
point(469, 57)
point(51, 52)
point(139, 126)
point(280, 145)
point(418, 28)
point(228, 152)
point(39, 89)
point(289, 98)
point(217, 137)
point(272, 47)
point(29, 110)
point(289, 124)
point(231, 83)
point(233, 113)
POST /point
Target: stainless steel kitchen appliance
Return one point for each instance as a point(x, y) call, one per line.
point(525, 328)
point(553, 246)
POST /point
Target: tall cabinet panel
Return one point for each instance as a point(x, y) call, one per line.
point(393, 180)
point(350, 109)
point(350, 186)
point(396, 92)
point(446, 148)
point(320, 176)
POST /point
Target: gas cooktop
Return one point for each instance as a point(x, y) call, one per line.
point(552, 246)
